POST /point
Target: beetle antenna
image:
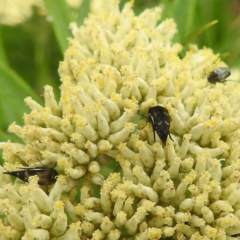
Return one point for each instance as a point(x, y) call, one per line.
point(40, 162)
point(232, 81)
point(171, 137)
point(142, 115)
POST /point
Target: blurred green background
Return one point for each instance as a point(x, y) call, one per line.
point(30, 52)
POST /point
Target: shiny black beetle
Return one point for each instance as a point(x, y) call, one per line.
point(47, 176)
point(219, 75)
point(160, 120)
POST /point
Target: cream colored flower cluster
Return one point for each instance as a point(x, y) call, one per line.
point(118, 65)
point(14, 12)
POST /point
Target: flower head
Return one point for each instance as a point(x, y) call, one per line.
point(119, 65)
point(13, 12)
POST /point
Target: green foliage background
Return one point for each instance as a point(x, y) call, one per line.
point(30, 52)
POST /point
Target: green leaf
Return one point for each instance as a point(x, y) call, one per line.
point(184, 13)
point(83, 11)
point(196, 33)
point(61, 15)
point(3, 56)
point(4, 137)
point(13, 90)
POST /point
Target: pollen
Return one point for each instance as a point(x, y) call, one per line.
point(62, 180)
point(80, 209)
point(116, 97)
point(63, 162)
point(59, 205)
point(129, 126)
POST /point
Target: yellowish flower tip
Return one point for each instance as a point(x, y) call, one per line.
point(23, 190)
point(48, 89)
point(45, 154)
point(84, 190)
point(80, 209)
point(88, 204)
point(104, 146)
point(64, 97)
point(130, 106)
point(139, 144)
point(121, 146)
point(63, 162)
point(118, 195)
point(65, 122)
point(9, 167)
point(187, 136)
point(107, 185)
point(33, 181)
point(117, 98)
point(9, 188)
point(130, 126)
point(30, 233)
point(62, 180)
point(75, 137)
point(37, 221)
point(81, 68)
point(120, 158)
point(59, 205)
point(126, 164)
point(68, 171)
point(190, 177)
point(88, 144)
point(76, 226)
point(13, 127)
point(115, 177)
point(80, 121)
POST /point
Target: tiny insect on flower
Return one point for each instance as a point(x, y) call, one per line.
point(219, 75)
point(47, 176)
point(160, 120)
